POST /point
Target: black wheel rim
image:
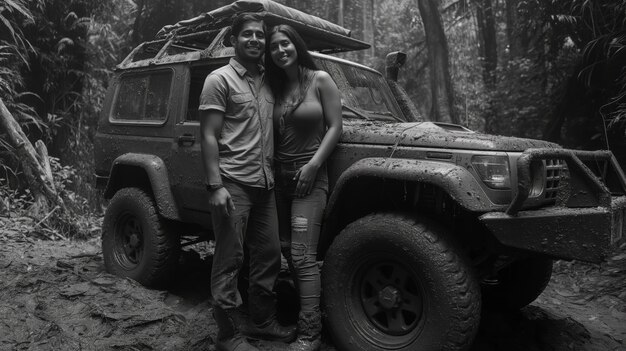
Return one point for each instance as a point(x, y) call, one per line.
point(128, 241)
point(388, 303)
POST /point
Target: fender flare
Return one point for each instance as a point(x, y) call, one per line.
point(455, 180)
point(157, 174)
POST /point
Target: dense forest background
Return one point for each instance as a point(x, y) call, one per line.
point(547, 69)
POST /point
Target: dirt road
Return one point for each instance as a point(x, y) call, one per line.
point(55, 295)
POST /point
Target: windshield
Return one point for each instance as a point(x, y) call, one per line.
point(364, 93)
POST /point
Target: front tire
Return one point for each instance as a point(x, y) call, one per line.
point(135, 242)
point(395, 283)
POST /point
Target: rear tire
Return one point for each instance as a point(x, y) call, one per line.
point(519, 284)
point(395, 283)
point(135, 241)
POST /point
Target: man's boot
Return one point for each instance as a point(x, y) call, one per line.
point(263, 324)
point(309, 332)
point(228, 336)
point(270, 330)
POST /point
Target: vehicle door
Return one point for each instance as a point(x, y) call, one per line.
point(188, 182)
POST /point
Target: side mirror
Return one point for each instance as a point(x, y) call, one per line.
point(393, 62)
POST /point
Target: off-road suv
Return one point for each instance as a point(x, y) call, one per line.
point(425, 221)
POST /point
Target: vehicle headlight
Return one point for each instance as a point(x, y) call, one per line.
point(493, 171)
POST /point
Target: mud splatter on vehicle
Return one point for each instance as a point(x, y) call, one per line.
point(426, 222)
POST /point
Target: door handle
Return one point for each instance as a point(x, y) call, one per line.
point(186, 140)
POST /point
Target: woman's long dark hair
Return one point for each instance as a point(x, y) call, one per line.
point(275, 75)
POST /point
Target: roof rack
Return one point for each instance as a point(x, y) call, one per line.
point(207, 34)
point(319, 34)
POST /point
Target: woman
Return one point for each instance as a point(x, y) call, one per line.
point(307, 125)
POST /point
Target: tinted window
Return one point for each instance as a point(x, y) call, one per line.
point(196, 83)
point(143, 97)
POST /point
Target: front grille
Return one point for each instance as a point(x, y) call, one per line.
point(554, 172)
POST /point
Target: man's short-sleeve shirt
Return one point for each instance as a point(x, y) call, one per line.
point(246, 142)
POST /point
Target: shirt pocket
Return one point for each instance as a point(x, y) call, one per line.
point(241, 106)
point(243, 98)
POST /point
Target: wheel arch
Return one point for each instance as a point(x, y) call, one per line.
point(364, 177)
point(147, 172)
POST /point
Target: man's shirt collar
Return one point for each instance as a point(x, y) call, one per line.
point(240, 69)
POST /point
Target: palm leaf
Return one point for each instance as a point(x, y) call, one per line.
point(8, 25)
point(18, 6)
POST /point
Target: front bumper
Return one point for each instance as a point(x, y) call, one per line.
point(573, 228)
point(585, 234)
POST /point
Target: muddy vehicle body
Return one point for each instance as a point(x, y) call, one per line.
point(425, 223)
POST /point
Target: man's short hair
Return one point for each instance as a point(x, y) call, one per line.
point(241, 19)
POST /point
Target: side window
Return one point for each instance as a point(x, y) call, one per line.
point(143, 97)
point(198, 75)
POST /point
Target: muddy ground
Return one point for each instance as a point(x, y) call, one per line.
point(55, 295)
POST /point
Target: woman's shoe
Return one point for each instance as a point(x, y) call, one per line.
point(302, 344)
point(309, 332)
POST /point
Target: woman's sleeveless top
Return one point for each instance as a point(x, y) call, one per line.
point(299, 123)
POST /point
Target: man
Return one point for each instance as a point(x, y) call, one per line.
point(237, 150)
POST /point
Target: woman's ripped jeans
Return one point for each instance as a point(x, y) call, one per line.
point(300, 220)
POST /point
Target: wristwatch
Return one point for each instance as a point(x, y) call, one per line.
point(210, 187)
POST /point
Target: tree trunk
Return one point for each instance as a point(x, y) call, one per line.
point(368, 26)
point(340, 13)
point(138, 24)
point(512, 31)
point(327, 10)
point(442, 92)
point(34, 163)
point(462, 8)
point(489, 57)
point(488, 47)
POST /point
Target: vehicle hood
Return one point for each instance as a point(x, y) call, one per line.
point(433, 135)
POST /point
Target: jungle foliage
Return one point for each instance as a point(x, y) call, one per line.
point(551, 69)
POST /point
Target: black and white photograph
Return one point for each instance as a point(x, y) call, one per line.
point(312, 175)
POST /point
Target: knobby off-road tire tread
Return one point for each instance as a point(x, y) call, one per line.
point(469, 318)
point(468, 303)
point(159, 270)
